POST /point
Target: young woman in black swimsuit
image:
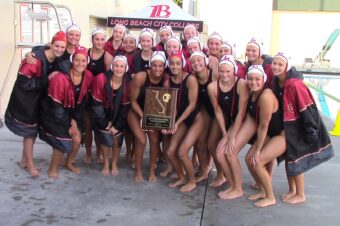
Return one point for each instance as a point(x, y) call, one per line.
point(264, 109)
point(189, 122)
point(229, 95)
point(210, 136)
point(155, 76)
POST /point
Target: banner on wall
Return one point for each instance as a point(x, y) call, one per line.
point(155, 15)
point(177, 25)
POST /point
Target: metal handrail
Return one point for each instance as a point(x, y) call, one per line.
point(42, 3)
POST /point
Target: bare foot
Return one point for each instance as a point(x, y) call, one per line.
point(166, 172)
point(53, 174)
point(201, 178)
point(232, 194)
point(296, 199)
point(152, 177)
point(114, 170)
point(221, 194)
point(177, 183)
point(72, 168)
point(260, 195)
point(218, 181)
point(87, 159)
point(139, 177)
point(33, 171)
point(188, 187)
point(288, 195)
point(265, 202)
point(106, 171)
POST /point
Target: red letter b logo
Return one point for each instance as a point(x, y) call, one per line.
point(160, 11)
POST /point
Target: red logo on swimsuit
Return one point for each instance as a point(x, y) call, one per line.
point(160, 11)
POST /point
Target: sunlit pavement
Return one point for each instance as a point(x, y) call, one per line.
point(92, 199)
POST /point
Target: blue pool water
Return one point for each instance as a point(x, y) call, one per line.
point(330, 85)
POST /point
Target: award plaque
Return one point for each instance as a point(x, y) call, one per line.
point(159, 108)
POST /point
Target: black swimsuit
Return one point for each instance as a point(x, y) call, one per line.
point(228, 101)
point(183, 101)
point(96, 66)
point(147, 83)
point(275, 125)
point(204, 97)
point(139, 63)
point(76, 89)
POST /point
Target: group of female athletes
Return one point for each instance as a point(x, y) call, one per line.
point(64, 90)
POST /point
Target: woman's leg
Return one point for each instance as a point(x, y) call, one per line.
point(214, 137)
point(99, 157)
point(201, 148)
point(270, 151)
point(291, 185)
point(224, 165)
point(70, 159)
point(187, 143)
point(53, 169)
point(154, 150)
point(129, 145)
point(299, 197)
point(247, 130)
point(27, 157)
point(88, 136)
point(116, 147)
point(172, 155)
point(106, 160)
point(140, 143)
point(261, 192)
point(168, 169)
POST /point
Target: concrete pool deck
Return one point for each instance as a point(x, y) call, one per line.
point(92, 199)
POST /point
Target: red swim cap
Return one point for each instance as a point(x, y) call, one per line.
point(59, 36)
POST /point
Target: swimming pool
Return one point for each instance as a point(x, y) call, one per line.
point(326, 93)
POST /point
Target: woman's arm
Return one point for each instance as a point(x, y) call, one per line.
point(136, 84)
